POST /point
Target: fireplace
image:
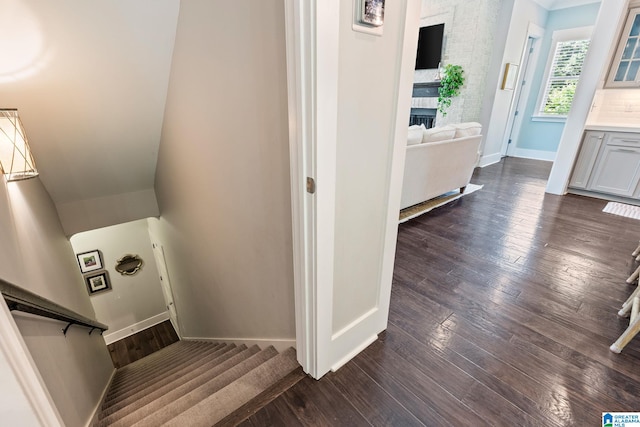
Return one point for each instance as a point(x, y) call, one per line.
point(423, 116)
point(424, 95)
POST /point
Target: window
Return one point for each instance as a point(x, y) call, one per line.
point(626, 63)
point(569, 48)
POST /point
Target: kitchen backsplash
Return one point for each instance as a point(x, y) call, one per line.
point(615, 107)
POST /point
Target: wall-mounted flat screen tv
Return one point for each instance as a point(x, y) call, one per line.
point(429, 47)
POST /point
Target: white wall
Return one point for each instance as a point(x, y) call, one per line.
point(523, 13)
point(15, 408)
point(222, 178)
point(134, 302)
point(90, 214)
point(75, 368)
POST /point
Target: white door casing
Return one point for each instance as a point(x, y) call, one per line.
point(528, 62)
point(313, 70)
point(165, 284)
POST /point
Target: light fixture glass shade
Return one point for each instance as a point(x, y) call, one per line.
point(16, 161)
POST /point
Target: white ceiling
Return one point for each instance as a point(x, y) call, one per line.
point(89, 79)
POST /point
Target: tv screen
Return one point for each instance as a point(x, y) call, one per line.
point(429, 47)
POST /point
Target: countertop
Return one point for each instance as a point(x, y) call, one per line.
point(613, 127)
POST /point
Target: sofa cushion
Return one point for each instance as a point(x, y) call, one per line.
point(468, 129)
point(438, 134)
point(415, 134)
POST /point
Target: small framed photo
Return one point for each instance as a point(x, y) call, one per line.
point(510, 77)
point(97, 282)
point(372, 12)
point(90, 261)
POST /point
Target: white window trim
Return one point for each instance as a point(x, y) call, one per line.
point(578, 33)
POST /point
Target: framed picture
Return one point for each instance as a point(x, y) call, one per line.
point(90, 261)
point(510, 76)
point(368, 17)
point(372, 12)
point(97, 282)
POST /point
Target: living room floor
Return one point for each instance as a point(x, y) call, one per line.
point(503, 308)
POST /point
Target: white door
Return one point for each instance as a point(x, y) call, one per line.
point(158, 254)
point(313, 75)
point(528, 60)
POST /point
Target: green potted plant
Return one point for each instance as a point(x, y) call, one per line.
point(450, 83)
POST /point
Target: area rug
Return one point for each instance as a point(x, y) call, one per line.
point(424, 207)
point(621, 209)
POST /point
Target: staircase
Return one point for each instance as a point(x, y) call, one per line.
point(194, 383)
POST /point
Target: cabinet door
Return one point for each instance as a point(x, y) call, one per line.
point(587, 158)
point(617, 171)
point(624, 70)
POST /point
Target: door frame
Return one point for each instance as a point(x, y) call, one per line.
point(522, 93)
point(312, 62)
point(312, 44)
point(163, 272)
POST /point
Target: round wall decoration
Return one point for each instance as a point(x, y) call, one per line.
point(129, 265)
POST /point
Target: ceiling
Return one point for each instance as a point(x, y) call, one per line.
point(89, 80)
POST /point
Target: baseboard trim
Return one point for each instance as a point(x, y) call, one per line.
point(489, 160)
point(135, 328)
point(93, 421)
point(354, 353)
point(526, 153)
point(278, 343)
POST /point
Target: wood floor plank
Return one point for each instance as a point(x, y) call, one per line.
point(373, 402)
point(141, 344)
point(503, 306)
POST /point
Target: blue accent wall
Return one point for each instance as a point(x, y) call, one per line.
point(543, 135)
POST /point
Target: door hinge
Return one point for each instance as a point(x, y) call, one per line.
point(311, 185)
point(516, 113)
point(509, 142)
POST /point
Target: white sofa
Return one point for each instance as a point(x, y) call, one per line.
point(439, 160)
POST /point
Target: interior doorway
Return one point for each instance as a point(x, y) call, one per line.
point(519, 102)
point(528, 61)
point(165, 283)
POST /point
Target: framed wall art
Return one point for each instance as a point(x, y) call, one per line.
point(510, 77)
point(97, 282)
point(368, 16)
point(90, 261)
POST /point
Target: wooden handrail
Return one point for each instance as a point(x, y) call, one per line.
point(19, 299)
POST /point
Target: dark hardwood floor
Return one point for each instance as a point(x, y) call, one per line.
point(141, 344)
point(503, 307)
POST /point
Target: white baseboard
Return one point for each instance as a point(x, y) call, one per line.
point(135, 328)
point(489, 159)
point(278, 343)
point(525, 153)
point(354, 353)
point(93, 421)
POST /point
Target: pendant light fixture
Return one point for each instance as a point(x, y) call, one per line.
point(16, 161)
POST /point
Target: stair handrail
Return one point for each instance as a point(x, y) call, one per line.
point(19, 299)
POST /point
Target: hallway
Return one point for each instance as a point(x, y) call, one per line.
point(503, 308)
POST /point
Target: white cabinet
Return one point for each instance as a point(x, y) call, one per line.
point(618, 171)
point(624, 70)
point(609, 162)
point(587, 158)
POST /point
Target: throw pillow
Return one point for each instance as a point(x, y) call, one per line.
point(468, 129)
point(438, 134)
point(415, 134)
